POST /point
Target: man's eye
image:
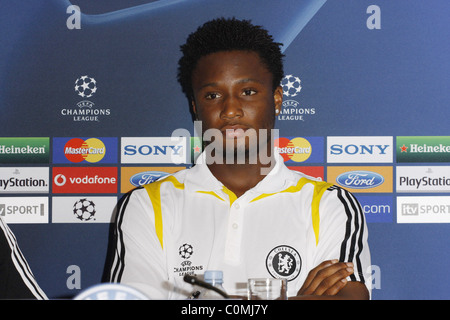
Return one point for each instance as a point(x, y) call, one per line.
point(212, 96)
point(249, 92)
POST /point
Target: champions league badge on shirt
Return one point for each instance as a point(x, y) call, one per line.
point(185, 251)
point(284, 262)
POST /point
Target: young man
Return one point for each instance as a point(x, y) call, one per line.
point(16, 279)
point(239, 209)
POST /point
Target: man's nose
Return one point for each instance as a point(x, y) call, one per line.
point(231, 107)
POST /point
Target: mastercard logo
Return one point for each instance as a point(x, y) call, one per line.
point(297, 149)
point(90, 150)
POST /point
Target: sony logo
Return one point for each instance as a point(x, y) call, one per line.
point(155, 149)
point(360, 149)
point(351, 149)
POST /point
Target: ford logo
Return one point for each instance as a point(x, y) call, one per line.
point(146, 177)
point(360, 179)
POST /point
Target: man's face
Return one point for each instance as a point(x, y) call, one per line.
point(233, 93)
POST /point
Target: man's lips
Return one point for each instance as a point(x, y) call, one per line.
point(233, 131)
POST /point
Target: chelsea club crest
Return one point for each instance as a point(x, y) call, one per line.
point(284, 262)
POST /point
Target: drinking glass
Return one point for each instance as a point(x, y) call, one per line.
point(267, 289)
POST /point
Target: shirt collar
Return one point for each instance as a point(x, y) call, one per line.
point(200, 178)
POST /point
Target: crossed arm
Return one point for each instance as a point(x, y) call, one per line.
point(328, 281)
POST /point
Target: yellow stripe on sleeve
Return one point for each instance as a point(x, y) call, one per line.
point(319, 189)
point(153, 190)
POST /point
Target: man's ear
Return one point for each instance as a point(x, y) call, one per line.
point(278, 99)
point(194, 109)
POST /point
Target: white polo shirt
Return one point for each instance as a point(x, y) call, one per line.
point(189, 223)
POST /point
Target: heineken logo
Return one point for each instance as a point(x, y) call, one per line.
point(24, 150)
point(423, 149)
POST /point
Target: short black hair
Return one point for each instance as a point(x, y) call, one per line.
point(230, 34)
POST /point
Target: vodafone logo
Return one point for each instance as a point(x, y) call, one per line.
point(91, 150)
point(296, 149)
point(60, 180)
point(85, 180)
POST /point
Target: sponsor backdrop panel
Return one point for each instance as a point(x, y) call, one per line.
point(83, 209)
point(85, 180)
point(85, 150)
point(89, 102)
point(24, 180)
point(362, 179)
point(133, 177)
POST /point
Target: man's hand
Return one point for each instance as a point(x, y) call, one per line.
point(328, 280)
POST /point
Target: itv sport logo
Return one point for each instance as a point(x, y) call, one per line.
point(426, 209)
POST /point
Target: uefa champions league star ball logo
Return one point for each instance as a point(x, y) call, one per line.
point(85, 110)
point(85, 86)
point(186, 251)
point(292, 109)
point(186, 266)
point(84, 209)
point(291, 85)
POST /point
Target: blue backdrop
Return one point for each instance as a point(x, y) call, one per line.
point(366, 69)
